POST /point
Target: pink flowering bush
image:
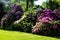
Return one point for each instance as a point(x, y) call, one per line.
point(48, 23)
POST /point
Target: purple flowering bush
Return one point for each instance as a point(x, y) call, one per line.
point(48, 23)
point(14, 13)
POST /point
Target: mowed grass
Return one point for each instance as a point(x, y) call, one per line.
point(14, 35)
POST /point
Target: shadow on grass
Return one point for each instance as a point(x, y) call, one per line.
point(54, 36)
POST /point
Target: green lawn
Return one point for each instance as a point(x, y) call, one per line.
point(14, 35)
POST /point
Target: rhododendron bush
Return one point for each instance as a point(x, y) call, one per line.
point(14, 13)
point(47, 22)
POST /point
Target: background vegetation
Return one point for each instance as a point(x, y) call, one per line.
point(23, 15)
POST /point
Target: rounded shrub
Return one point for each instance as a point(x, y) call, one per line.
point(14, 13)
point(48, 23)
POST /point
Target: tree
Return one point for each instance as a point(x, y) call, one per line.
point(51, 4)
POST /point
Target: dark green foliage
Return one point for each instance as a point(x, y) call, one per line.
point(53, 5)
point(26, 23)
point(23, 26)
point(1, 10)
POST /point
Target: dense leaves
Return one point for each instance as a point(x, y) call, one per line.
point(26, 22)
point(1, 10)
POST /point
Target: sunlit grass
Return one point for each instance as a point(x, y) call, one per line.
point(14, 35)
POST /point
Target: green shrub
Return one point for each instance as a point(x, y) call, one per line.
point(26, 22)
